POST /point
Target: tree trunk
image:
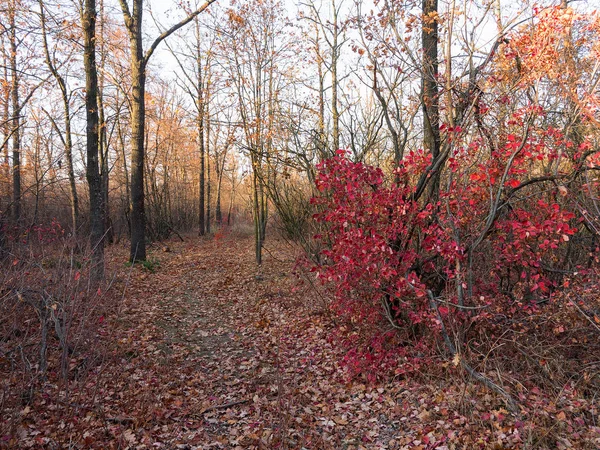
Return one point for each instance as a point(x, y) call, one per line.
point(257, 214)
point(103, 141)
point(219, 169)
point(139, 60)
point(200, 123)
point(92, 135)
point(5, 164)
point(429, 88)
point(264, 213)
point(232, 195)
point(138, 113)
point(6, 132)
point(202, 183)
point(38, 176)
point(16, 121)
point(68, 135)
point(208, 184)
point(430, 100)
point(334, 81)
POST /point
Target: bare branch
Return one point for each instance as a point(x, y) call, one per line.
point(174, 28)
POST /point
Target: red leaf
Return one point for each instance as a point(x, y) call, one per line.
point(513, 183)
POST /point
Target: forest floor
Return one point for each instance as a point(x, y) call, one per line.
point(209, 351)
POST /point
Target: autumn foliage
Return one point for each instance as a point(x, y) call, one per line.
point(452, 242)
point(490, 247)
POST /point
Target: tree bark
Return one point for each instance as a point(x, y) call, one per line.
point(92, 140)
point(429, 85)
point(334, 80)
point(16, 121)
point(200, 125)
point(202, 183)
point(208, 184)
point(6, 131)
point(139, 61)
point(430, 100)
point(218, 212)
point(257, 215)
point(232, 195)
point(138, 112)
point(220, 169)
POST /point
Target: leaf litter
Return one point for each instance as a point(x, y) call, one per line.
point(213, 352)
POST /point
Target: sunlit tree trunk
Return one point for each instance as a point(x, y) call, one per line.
point(200, 126)
point(6, 131)
point(218, 212)
point(220, 171)
point(5, 164)
point(335, 53)
point(68, 141)
point(208, 183)
point(257, 211)
point(232, 195)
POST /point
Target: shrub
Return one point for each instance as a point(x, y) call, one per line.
point(483, 249)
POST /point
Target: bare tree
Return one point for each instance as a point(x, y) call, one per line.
point(88, 22)
point(253, 48)
point(333, 34)
point(67, 139)
point(139, 61)
point(16, 112)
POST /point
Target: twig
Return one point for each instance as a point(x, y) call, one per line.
point(465, 365)
point(433, 304)
point(584, 314)
point(175, 231)
point(223, 406)
point(120, 420)
point(446, 302)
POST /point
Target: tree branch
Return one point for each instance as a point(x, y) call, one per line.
point(174, 28)
point(464, 364)
point(126, 13)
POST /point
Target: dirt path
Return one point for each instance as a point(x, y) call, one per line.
point(202, 323)
point(211, 352)
point(223, 354)
point(227, 355)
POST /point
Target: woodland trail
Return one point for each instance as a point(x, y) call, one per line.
point(220, 353)
point(210, 361)
point(209, 351)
